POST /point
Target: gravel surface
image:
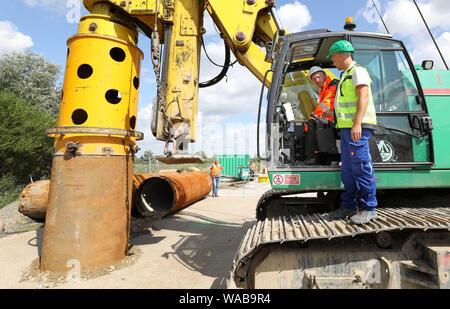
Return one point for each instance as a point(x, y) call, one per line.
point(14, 221)
point(48, 279)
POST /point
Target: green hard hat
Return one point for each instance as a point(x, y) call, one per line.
point(341, 46)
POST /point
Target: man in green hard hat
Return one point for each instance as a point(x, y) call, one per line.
point(356, 118)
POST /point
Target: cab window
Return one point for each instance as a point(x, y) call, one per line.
point(393, 86)
point(300, 93)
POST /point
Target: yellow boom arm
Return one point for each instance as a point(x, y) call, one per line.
point(245, 26)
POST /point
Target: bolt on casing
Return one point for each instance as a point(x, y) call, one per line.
point(240, 36)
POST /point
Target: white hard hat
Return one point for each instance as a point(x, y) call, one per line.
point(315, 69)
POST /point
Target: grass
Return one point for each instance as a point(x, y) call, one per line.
point(9, 190)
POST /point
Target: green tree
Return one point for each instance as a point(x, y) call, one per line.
point(24, 147)
point(153, 166)
point(148, 154)
point(32, 77)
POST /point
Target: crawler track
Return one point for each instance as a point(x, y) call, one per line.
point(303, 228)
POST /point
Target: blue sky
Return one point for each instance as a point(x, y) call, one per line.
point(227, 111)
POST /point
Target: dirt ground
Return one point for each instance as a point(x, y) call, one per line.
point(192, 248)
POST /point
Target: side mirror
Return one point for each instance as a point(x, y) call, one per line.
point(427, 64)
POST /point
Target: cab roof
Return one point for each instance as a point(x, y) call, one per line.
point(312, 47)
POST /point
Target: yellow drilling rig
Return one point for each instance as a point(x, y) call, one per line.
point(292, 244)
point(95, 138)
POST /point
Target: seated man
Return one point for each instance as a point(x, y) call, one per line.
point(323, 115)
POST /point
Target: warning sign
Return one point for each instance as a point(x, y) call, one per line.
point(291, 179)
point(277, 180)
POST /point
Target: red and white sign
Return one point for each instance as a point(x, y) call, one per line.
point(277, 180)
point(290, 179)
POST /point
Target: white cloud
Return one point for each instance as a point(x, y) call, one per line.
point(428, 51)
point(437, 13)
point(402, 18)
point(226, 138)
point(149, 80)
point(404, 22)
point(294, 16)
point(235, 94)
point(72, 9)
point(239, 93)
point(213, 136)
point(12, 40)
point(209, 25)
point(60, 6)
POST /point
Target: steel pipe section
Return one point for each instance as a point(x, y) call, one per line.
point(88, 216)
point(166, 193)
point(33, 200)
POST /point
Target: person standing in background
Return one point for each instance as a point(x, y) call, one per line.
point(215, 170)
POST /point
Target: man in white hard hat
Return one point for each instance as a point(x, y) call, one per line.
point(324, 110)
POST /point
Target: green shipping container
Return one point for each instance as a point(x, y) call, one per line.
point(230, 164)
point(243, 172)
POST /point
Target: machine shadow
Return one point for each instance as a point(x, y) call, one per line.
point(205, 245)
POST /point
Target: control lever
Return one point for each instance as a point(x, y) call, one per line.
point(315, 116)
point(289, 113)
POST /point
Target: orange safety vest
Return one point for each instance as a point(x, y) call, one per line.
point(326, 98)
point(216, 169)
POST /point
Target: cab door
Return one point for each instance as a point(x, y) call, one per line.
point(404, 134)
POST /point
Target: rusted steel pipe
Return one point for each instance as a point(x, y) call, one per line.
point(33, 200)
point(88, 215)
point(168, 192)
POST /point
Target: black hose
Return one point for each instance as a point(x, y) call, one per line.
point(222, 74)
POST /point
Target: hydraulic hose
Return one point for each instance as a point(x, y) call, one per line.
point(222, 73)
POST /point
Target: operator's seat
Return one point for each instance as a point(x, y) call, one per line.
point(326, 141)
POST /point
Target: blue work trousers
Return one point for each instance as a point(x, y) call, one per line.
point(215, 185)
point(357, 172)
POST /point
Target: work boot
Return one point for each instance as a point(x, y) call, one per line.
point(364, 217)
point(341, 213)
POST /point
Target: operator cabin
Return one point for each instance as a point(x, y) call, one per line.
point(393, 88)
